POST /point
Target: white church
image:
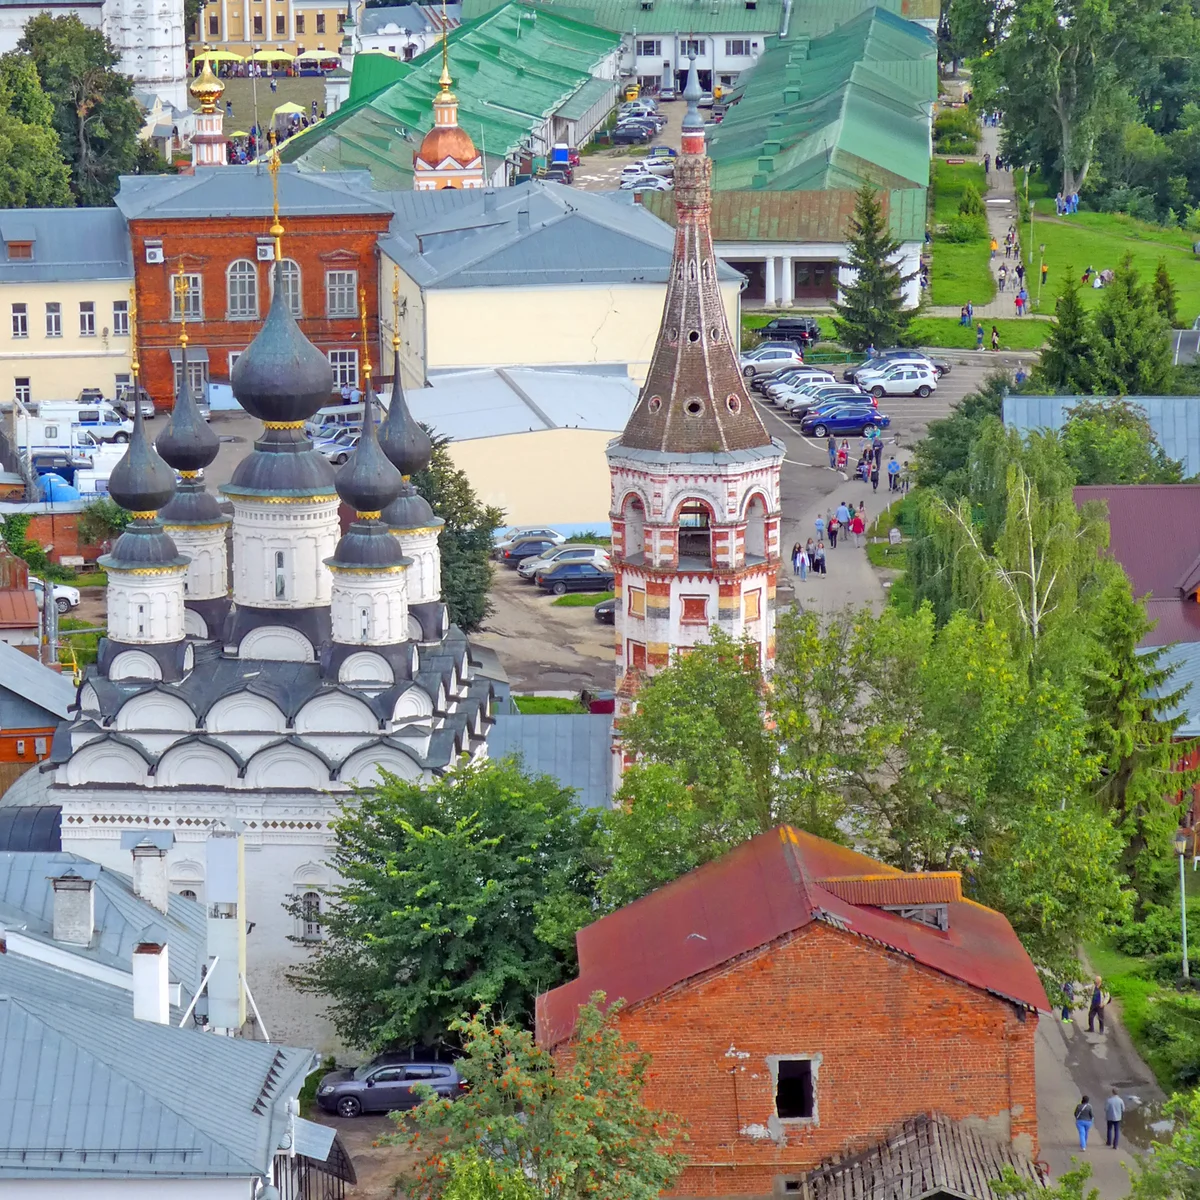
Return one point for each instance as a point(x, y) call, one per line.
point(265, 704)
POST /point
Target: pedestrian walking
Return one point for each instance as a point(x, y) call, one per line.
point(831, 446)
point(878, 447)
point(1017, 303)
point(970, 312)
point(995, 247)
point(893, 470)
point(1001, 275)
point(797, 550)
point(1083, 1121)
point(1114, 1110)
point(1021, 274)
point(818, 562)
point(979, 337)
point(843, 456)
point(274, 85)
point(858, 527)
point(802, 563)
point(964, 319)
point(1045, 270)
point(987, 163)
point(995, 338)
point(1097, 1005)
point(875, 476)
point(820, 524)
point(1068, 991)
point(843, 514)
point(832, 529)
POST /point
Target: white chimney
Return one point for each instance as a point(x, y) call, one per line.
point(225, 885)
point(151, 983)
point(150, 865)
point(75, 904)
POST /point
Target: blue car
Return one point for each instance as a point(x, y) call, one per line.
point(843, 418)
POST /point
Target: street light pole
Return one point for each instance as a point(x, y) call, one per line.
point(1181, 840)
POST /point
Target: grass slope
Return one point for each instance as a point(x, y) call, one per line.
point(958, 271)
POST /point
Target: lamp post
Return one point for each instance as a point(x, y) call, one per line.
point(1181, 841)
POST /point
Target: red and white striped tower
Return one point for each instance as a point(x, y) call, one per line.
point(695, 476)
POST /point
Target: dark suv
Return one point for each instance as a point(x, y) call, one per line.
point(804, 330)
point(384, 1085)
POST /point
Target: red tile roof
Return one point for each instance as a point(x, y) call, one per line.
point(18, 609)
point(765, 889)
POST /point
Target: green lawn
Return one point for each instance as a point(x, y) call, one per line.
point(958, 271)
point(541, 705)
point(1025, 334)
point(949, 180)
point(582, 599)
point(240, 92)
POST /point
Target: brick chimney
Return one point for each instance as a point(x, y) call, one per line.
point(75, 904)
point(149, 851)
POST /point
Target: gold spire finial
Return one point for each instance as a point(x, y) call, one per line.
point(362, 312)
point(396, 318)
point(445, 80)
point(207, 88)
point(276, 225)
point(181, 291)
point(134, 366)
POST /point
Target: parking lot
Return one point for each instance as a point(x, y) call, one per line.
point(601, 170)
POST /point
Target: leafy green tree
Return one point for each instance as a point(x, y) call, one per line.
point(970, 203)
point(465, 542)
point(871, 310)
point(101, 521)
point(1069, 1185)
point(572, 1128)
point(455, 894)
point(1068, 360)
point(1172, 1171)
point(1166, 297)
point(942, 456)
point(1114, 443)
point(1133, 345)
point(95, 115)
point(32, 171)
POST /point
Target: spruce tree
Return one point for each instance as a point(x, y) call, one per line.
point(1132, 340)
point(871, 310)
point(1067, 362)
point(1165, 295)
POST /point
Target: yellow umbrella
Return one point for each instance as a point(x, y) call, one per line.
point(271, 56)
point(218, 56)
point(289, 108)
point(239, 133)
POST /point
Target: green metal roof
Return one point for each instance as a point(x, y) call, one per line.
point(510, 73)
point(819, 17)
point(662, 16)
point(588, 96)
point(837, 111)
point(795, 216)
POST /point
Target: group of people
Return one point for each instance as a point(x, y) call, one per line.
point(993, 118)
point(1002, 163)
point(1114, 1106)
point(979, 336)
point(1018, 271)
point(870, 461)
point(1064, 206)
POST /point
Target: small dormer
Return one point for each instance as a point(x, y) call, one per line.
point(921, 896)
point(18, 241)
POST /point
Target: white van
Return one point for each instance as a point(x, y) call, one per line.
point(331, 420)
point(102, 420)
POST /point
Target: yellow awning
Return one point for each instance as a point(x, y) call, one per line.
point(272, 56)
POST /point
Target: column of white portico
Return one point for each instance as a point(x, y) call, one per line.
point(769, 270)
point(788, 291)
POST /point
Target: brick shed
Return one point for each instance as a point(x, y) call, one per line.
point(802, 1000)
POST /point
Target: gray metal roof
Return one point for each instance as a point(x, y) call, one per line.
point(87, 1091)
point(575, 749)
point(1185, 658)
point(31, 680)
point(1175, 420)
point(69, 244)
point(220, 192)
point(31, 828)
point(412, 17)
point(27, 905)
point(451, 238)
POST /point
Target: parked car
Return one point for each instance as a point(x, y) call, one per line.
point(338, 448)
point(520, 532)
point(65, 598)
point(662, 152)
point(902, 379)
point(567, 553)
point(667, 93)
point(124, 403)
point(844, 419)
point(780, 382)
point(801, 403)
point(561, 578)
point(885, 358)
point(559, 173)
point(91, 396)
point(630, 136)
point(385, 1085)
point(518, 552)
point(651, 165)
point(605, 612)
point(770, 356)
point(646, 183)
point(803, 330)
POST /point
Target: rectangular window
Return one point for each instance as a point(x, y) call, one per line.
point(341, 293)
point(141, 620)
point(87, 318)
point(637, 602)
point(20, 250)
point(234, 355)
point(320, 22)
point(695, 610)
point(122, 382)
point(737, 48)
point(214, 25)
point(280, 24)
point(794, 1090)
point(636, 655)
point(649, 49)
point(197, 377)
point(345, 368)
point(22, 390)
point(364, 622)
point(258, 25)
point(20, 321)
point(192, 300)
point(341, 22)
point(694, 46)
point(54, 320)
point(299, 23)
point(280, 576)
point(752, 605)
point(120, 318)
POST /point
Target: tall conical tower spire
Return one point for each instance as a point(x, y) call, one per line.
point(694, 398)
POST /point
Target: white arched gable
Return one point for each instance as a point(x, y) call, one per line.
point(197, 765)
point(362, 769)
point(156, 710)
point(244, 712)
point(106, 762)
point(335, 712)
point(194, 625)
point(365, 667)
point(414, 629)
point(413, 705)
point(89, 702)
point(310, 874)
point(287, 767)
point(135, 664)
point(186, 871)
point(277, 643)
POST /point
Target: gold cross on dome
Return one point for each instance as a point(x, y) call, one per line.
point(396, 316)
point(182, 287)
point(362, 312)
point(133, 353)
point(276, 230)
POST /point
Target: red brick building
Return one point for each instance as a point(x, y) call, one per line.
point(801, 1001)
point(214, 224)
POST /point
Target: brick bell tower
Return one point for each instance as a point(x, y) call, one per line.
point(695, 476)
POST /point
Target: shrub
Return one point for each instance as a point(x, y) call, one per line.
point(958, 121)
point(970, 203)
point(955, 143)
point(1155, 932)
point(964, 229)
point(1137, 202)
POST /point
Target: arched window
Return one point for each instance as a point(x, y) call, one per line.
point(242, 280)
point(634, 514)
point(695, 533)
point(756, 529)
point(310, 916)
point(188, 894)
point(291, 287)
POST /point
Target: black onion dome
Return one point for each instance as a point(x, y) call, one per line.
point(141, 481)
point(366, 545)
point(187, 443)
point(282, 376)
point(402, 438)
point(368, 482)
point(410, 510)
point(143, 544)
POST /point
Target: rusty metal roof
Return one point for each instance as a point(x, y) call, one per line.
point(882, 891)
point(18, 609)
point(765, 889)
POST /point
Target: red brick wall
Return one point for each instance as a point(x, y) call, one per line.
point(895, 1040)
point(61, 530)
point(207, 247)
